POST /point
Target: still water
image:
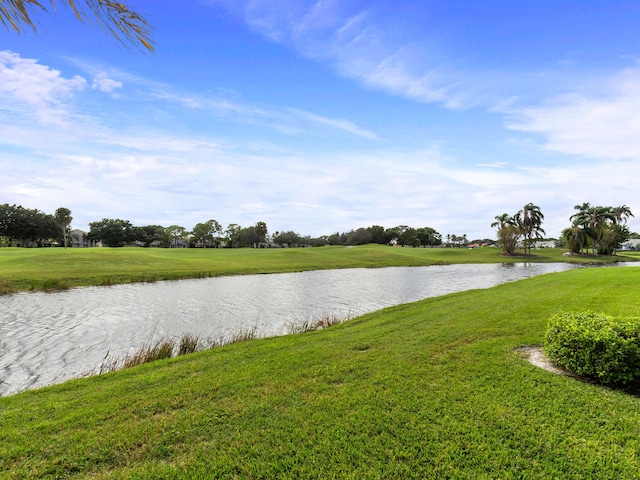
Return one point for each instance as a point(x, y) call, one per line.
point(48, 338)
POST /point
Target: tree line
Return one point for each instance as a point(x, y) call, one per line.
point(210, 234)
point(30, 227)
point(117, 232)
point(27, 227)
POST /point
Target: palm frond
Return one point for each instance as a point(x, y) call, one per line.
point(117, 18)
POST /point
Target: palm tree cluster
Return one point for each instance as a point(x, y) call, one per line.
point(604, 227)
point(525, 223)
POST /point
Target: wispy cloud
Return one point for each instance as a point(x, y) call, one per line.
point(603, 124)
point(334, 123)
point(284, 119)
point(360, 45)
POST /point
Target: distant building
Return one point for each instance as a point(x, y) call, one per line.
point(78, 239)
point(545, 244)
point(632, 244)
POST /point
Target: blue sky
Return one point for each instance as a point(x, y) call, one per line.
point(323, 116)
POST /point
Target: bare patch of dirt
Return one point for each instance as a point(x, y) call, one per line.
point(536, 356)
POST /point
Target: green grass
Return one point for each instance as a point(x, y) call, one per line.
point(56, 268)
point(432, 389)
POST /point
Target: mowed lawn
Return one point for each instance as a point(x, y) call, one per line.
point(433, 389)
point(57, 268)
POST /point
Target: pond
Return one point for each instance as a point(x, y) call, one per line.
point(48, 338)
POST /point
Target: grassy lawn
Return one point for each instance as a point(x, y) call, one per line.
point(432, 389)
point(56, 268)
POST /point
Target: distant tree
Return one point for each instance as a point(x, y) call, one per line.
point(407, 236)
point(457, 240)
point(248, 237)
point(604, 226)
point(314, 242)
point(575, 237)
point(207, 233)
point(621, 214)
point(177, 233)
point(27, 225)
point(232, 235)
point(115, 17)
point(391, 236)
point(111, 232)
point(336, 239)
point(361, 236)
point(151, 234)
point(428, 237)
point(63, 218)
point(529, 220)
point(593, 220)
point(377, 234)
point(508, 233)
point(9, 215)
point(502, 221)
point(288, 238)
point(508, 239)
point(261, 232)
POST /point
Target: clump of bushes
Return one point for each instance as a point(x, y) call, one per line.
point(597, 346)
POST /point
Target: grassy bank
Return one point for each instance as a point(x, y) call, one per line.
point(56, 268)
point(433, 389)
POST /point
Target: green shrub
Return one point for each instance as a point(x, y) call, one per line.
point(597, 346)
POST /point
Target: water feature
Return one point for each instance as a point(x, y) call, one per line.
point(47, 338)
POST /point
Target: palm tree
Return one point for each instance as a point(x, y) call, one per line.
point(529, 219)
point(63, 219)
point(593, 220)
point(575, 236)
point(508, 233)
point(502, 221)
point(125, 24)
point(621, 214)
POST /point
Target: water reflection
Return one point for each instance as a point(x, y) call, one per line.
point(49, 338)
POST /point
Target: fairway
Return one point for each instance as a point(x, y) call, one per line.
point(433, 389)
point(56, 268)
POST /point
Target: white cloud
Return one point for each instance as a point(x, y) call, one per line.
point(602, 124)
point(105, 84)
point(26, 83)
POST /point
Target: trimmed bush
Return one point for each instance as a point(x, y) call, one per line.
point(596, 346)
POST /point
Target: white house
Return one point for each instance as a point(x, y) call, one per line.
point(631, 244)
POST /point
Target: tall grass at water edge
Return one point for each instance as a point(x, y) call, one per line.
point(169, 347)
point(190, 343)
